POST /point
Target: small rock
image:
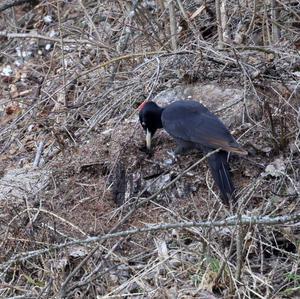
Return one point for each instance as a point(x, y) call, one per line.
point(275, 169)
point(48, 19)
point(168, 162)
point(48, 47)
point(7, 71)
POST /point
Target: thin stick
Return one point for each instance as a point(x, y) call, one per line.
point(53, 39)
point(64, 91)
point(252, 19)
point(38, 154)
point(229, 221)
point(172, 26)
point(239, 252)
point(275, 16)
point(219, 24)
point(92, 24)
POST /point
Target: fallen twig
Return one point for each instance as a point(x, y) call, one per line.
point(38, 155)
point(229, 221)
point(52, 39)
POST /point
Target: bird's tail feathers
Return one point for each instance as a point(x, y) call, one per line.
point(220, 170)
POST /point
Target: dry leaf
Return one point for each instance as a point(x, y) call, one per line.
point(162, 249)
point(208, 280)
point(11, 112)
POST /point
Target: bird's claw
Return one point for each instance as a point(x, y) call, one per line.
point(172, 155)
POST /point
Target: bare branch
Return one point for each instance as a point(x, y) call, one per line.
point(230, 221)
point(219, 24)
point(38, 155)
point(53, 39)
point(173, 26)
point(275, 27)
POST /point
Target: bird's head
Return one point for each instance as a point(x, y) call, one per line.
point(150, 119)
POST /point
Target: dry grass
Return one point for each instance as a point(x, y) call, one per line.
point(79, 69)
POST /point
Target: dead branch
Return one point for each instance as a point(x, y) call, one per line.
point(38, 155)
point(173, 26)
point(230, 221)
point(219, 24)
point(252, 19)
point(52, 39)
point(239, 252)
point(275, 25)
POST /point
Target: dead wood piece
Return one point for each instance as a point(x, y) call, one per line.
point(118, 181)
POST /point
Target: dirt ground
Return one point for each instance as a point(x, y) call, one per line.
point(74, 170)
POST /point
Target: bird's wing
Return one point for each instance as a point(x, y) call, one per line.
point(192, 122)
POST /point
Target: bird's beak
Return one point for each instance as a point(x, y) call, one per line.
point(148, 139)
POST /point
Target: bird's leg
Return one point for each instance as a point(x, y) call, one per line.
point(183, 147)
point(172, 155)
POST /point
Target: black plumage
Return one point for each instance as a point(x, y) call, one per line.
point(193, 126)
